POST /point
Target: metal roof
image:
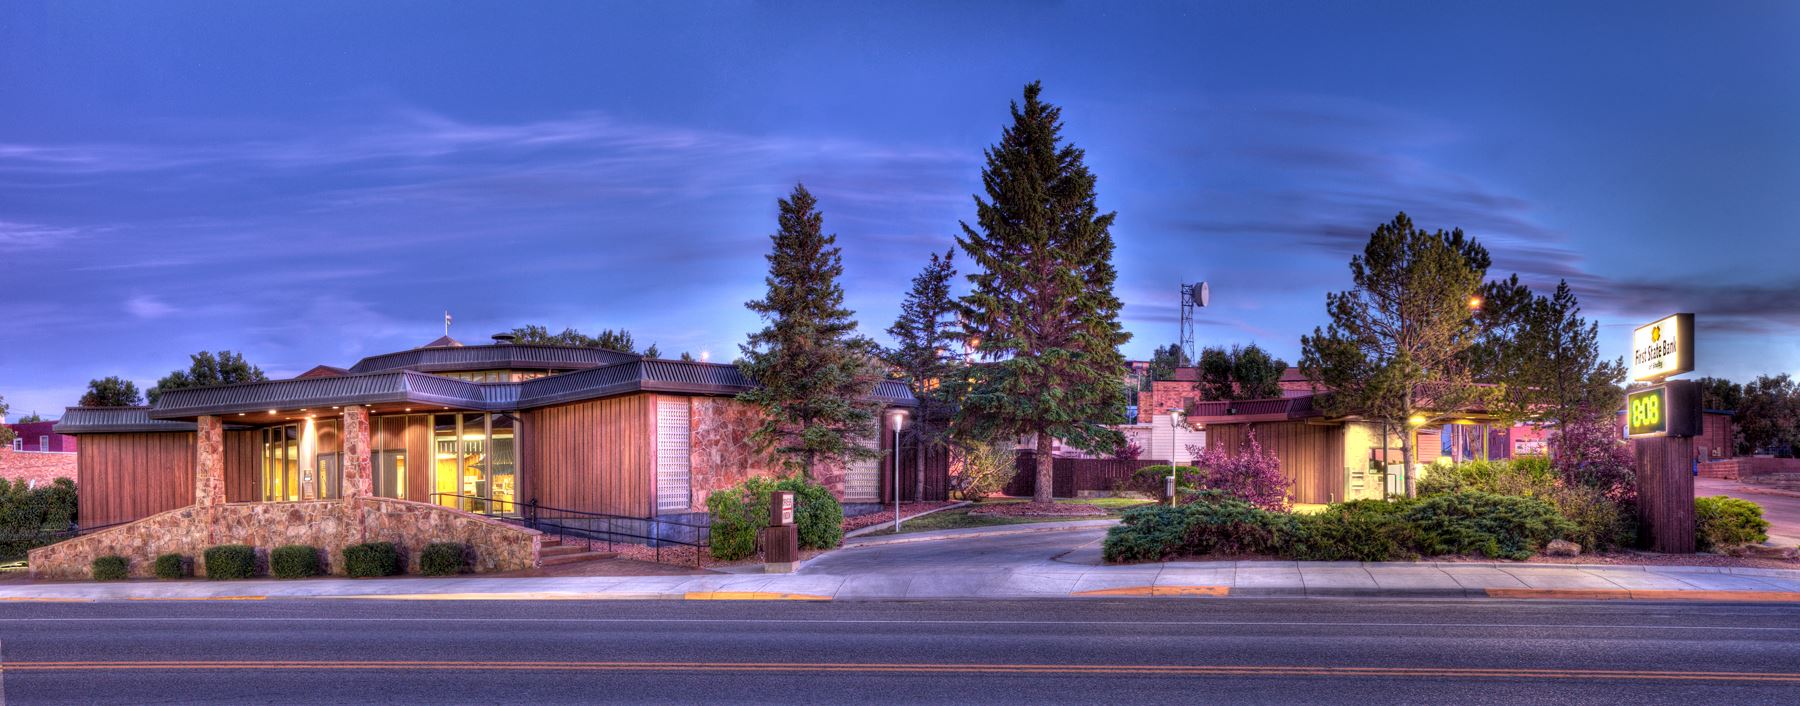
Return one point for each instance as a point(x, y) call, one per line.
point(492, 357)
point(408, 386)
point(100, 420)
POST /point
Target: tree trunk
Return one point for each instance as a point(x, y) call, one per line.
point(1406, 459)
point(919, 465)
point(1045, 473)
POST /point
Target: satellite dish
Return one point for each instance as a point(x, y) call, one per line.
point(1204, 295)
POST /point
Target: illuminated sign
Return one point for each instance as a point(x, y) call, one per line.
point(1663, 348)
point(1669, 409)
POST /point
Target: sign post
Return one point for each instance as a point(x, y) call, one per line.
point(1662, 421)
point(781, 539)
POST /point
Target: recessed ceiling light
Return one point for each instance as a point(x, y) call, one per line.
point(271, 411)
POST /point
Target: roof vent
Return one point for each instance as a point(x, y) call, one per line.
point(504, 339)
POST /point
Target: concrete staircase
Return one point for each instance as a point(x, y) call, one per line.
point(553, 552)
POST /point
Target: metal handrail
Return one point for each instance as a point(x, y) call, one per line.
point(592, 527)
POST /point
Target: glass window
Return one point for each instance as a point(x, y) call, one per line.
point(390, 457)
point(446, 476)
point(473, 452)
point(503, 464)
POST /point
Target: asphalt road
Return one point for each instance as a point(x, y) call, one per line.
point(1125, 651)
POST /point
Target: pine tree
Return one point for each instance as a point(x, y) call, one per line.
point(814, 375)
point(926, 347)
point(1042, 308)
point(1542, 357)
point(1399, 343)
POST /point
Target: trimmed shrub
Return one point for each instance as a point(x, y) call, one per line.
point(1149, 480)
point(1360, 530)
point(1497, 526)
point(443, 558)
point(817, 514)
point(1600, 522)
point(295, 561)
point(1602, 519)
point(733, 531)
point(1151, 533)
point(1723, 523)
point(111, 568)
point(230, 561)
point(741, 512)
point(372, 559)
point(171, 566)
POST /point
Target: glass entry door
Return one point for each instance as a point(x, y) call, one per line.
point(474, 467)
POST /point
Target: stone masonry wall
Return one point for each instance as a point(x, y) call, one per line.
point(722, 454)
point(329, 525)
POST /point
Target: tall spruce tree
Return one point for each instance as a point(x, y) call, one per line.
point(1042, 308)
point(1399, 342)
point(814, 375)
point(1541, 356)
point(926, 347)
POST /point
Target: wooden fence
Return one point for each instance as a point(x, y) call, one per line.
point(1070, 476)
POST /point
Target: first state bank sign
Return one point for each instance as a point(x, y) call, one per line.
point(1663, 348)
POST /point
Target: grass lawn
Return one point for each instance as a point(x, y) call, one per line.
point(960, 517)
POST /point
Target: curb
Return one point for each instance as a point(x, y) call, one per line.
point(872, 528)
point(1024, 528)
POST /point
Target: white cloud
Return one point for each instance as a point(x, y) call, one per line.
point(145, 306)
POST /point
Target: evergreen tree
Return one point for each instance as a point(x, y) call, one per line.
point(926, 347)
point(6, 434)
point(1242, 373)
point(1542, 357)
point(1399, 343)
point(111, 391)
point(207, 370)
point(814, 375)
point(1042, 307)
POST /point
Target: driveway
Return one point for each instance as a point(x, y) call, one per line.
point(1782, 511)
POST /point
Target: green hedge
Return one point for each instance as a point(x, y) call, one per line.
point(1722, 523)
point(741, 512)
point(111, 568)
point(1497, 526)
point(171, 566)
point(230, 561)
point(295, 561)
point(443, 558)
point(372, 559)
point(1366, 530)
point(1601, 521)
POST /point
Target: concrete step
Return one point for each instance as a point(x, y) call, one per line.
point(548, 542)
point(579, 556)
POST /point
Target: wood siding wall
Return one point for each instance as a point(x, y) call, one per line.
point(1312, 455)
point(594, 456)
point(243, 466)
point(123, 477)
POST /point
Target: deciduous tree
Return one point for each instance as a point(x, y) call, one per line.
point(813, 373)
point(206, 370)
point(1163, 363)
point(612, 340)
point(1242, 373)
point(111, 391)
point(1042, 308)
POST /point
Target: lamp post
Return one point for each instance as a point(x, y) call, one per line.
point(899, 418)
point(1177, 419)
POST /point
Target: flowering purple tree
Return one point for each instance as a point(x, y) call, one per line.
point(1251, 475)
point(1586, 450)
point(1128, 451)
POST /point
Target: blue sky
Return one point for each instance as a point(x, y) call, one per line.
point(314, 182)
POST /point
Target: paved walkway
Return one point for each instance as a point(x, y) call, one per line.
point(1020, 562)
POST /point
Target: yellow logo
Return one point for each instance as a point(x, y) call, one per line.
point(1655, 334)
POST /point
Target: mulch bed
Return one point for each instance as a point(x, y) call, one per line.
point(1038, 510)
point(907, 510)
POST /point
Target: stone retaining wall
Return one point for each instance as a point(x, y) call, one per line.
point(1746, 467)
point(329, 525)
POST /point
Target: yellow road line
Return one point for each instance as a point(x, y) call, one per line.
point(197, 598)
point(1081, 669)
point(1158, 591)
point(1627, 594)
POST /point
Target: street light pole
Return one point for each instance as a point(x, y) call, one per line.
point(898, 418)
point(1175, 423)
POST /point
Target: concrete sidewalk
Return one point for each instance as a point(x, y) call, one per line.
point(1064, 567)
